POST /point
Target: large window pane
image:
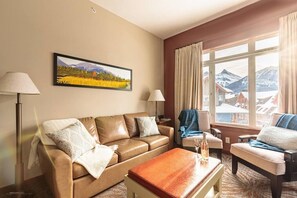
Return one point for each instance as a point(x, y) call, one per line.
point(231, 51)
point(206, 88)
point(231, 91)
point(205, 57)
point(267, 43)
point(266, 87)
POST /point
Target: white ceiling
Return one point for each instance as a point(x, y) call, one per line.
point(165, 18)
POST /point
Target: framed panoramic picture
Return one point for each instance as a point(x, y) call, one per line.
point(77, 72)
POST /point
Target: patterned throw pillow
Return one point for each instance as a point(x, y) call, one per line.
point(74, 140)
point(147, 126)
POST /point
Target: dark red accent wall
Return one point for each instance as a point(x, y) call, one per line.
point(253, 20)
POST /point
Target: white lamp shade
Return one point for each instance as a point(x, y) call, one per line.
point(17, 82)
point(156, 95)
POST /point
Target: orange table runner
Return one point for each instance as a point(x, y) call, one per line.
point(175, 173)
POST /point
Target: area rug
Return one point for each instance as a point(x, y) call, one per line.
point(245, 184)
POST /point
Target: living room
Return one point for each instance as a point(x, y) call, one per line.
point(33, 30)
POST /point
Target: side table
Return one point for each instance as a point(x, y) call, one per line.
point(164, 122)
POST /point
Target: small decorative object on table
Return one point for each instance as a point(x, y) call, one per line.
point(204, 148)
point(197, 143)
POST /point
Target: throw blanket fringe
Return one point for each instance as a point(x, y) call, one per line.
point(287, 121)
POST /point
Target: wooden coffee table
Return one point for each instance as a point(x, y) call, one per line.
point(176, 173)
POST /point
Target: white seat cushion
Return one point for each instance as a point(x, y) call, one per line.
point(268, 160)
point(213, 142)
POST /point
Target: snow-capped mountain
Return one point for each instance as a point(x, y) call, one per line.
point(226, 78)
point(266, 80)
point(90, 67)
point(61, 63)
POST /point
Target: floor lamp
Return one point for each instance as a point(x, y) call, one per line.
point(18, 83)
point(156, 96)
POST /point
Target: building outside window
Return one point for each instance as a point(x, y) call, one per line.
point(241, 81)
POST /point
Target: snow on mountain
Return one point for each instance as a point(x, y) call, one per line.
point(89, 67)
point(266, 80)
point(226, 78)
point(61, 63)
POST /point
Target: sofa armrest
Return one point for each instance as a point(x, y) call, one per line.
point(169, 132)
point(56, 166)
point(216, 132)
point(246, 138)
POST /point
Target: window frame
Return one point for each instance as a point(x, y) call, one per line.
point(251, 56)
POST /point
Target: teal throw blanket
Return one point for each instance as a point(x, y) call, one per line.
point(287, 121)
point(189, 125)
point(262, 145)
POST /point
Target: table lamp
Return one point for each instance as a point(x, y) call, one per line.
point(156, 96)
point(18, 83)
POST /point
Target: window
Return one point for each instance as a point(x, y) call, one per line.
point(245, 82)
point(266, 86)
point(205, 87)
point(231, 91)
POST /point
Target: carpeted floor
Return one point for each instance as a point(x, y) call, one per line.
point(245, 184)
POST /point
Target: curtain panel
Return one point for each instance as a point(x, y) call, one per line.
point(188, 80)
point(288, 64)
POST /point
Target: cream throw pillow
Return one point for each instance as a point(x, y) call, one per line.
point(280, 137)
point(147, 126)
point(74, 140)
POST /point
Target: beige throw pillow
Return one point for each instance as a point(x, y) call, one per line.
point(74, 140)
point(147, 126)
point(280, 137)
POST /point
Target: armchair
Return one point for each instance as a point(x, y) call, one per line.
point(213, 136)
point(276, 166)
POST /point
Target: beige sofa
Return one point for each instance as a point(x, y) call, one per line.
point(72, 180)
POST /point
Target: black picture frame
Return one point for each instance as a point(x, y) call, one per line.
point(78, 72)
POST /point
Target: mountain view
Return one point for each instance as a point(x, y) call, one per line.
point(226, 78)
point(90, 74)
point(90, 67)
point(266, 79)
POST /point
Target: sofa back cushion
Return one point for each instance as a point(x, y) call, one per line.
point(131, 122)
point(89, 123)
point(111, 128)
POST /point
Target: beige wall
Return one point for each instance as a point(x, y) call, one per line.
point(32, 30)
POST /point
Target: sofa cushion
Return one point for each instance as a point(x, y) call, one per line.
point(111, 128)
point(131, 122)
point(154, 141)
point(80, 171)
point(268, 160)
point(128, 148)
point(89, 123)
point(147, 126)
